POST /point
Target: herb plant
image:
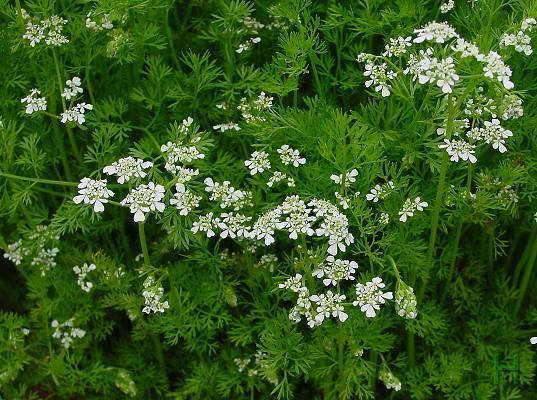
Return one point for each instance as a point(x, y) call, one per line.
point(300, 199)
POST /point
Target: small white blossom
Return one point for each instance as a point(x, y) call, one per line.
point(126, 168)
point(184, 200)
point(153, 294)
point(205, 223)
point(290, 156)
point(329, 305)
point(438, 32)
point(66, 332)
point(293, 283)
point(398, 46)
point(33, 102)
point(496, 69)
point(93, 192)
point(15, 252)
point(370, 297)
point(81, 273)
point(227, 127)
point(73, 88)
point(77, 113)
point(459, 149)
point(379, 77)
point(447, 6)
point(143, 199)
point(350, 178)
point(335, 270)
point(410, 207)
point(258, 162)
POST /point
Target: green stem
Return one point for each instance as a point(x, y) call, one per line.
point(143, 243)
point(38, 180)
point(530, 264)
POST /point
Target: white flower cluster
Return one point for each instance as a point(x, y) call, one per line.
point(350, 178)
point(459, 150)
point(66, 332)
point(73, 88)
point(389, 379)
point(104, 23)
point(427, 68)
point(379, 77)
point(334, 270)
point(370, 297)
point(153, 294)
point(290, 156)
point(16, 252)
point(397, 46)
point(410, 207)
point(82, 273)
point(447, 6)
point(520, 40)
point(184, 200)
point(76, 113)
point(43, 240)
point(143, 199)
point(329, 305)
point(227, 127)
point(252, 110)
point(247, 45)
point(380, 192)
point(258, 162)
point(279, 176)
point(179, 152)
point(93, 192)
point(511, 107)
point(227, 195)
point(492, 133)
point(49, 30)
point(34, 102)
point(126, 168)
point(405, 301)
point(438, 32)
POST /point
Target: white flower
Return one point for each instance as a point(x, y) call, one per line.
point(459, 149)
point(447, 6)
point(125, 168)
point(290, 156)
point(76, 113)
point(397, 46)
point(184, 200)
point(438, 32)
point(153, 294)
point(440, 72)
point(329, 304)
point(15, 252)
point(496, 69)
point(520, 41)
point(350, 178)
point(278, 176)
point(205, 223)
point(370, 296)
point(493, 133)
point(93, 192)
point(248, 44)
point(48, 30)
point(409, 207)
point(81, 273)
point(143, 199)
point(528, 24)
point(467, 49)
point(66, 333)
point(73, 88)
point(105, 23)
point(380, 192)
point(33, 102)
point(293, 283)
point(533, 340)
point(379, 76)
point(335, 270)
point(227, 127)
point(179, 153)
point(384, 218)
point(258, 162)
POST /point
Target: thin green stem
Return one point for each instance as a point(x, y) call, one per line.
point(530, 265)
point(143, 243)
point(38, 180)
